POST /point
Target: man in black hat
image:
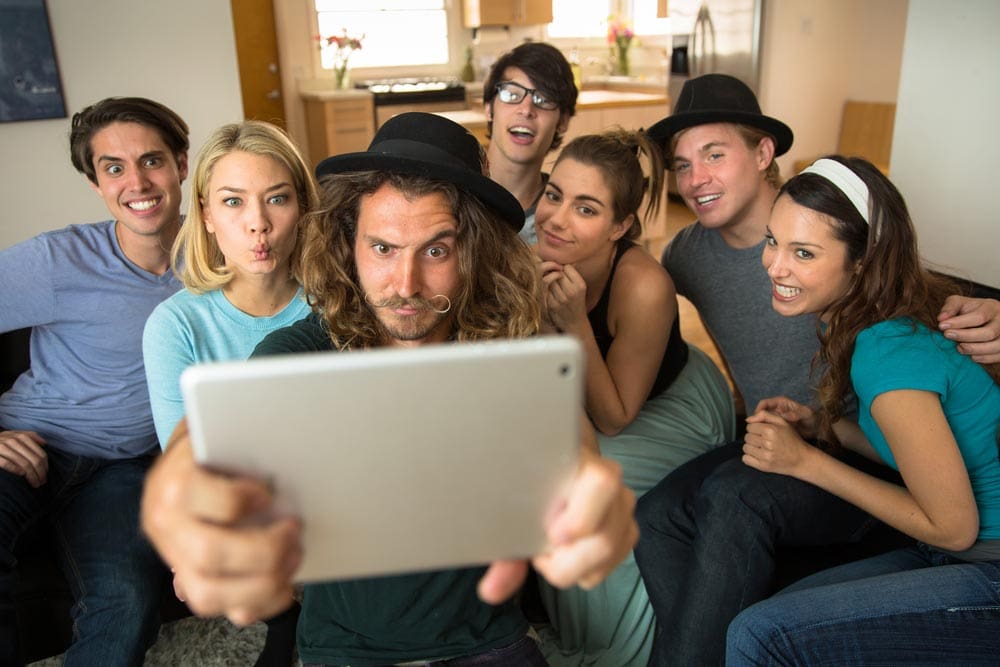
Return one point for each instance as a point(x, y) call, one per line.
point(710, 530)
point(413, 244)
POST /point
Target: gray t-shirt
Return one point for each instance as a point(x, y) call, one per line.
point(768, 354)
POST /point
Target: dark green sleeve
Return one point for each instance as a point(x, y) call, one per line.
point(306, 335)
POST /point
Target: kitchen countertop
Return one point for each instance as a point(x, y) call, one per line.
point(588, 99)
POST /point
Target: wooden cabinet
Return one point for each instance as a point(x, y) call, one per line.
point(338, 122)
point(476, 13)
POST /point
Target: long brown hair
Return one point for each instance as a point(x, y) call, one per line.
point(618, 155)
point(889, 280)
point(498, 289)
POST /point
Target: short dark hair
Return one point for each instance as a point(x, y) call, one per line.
point(172, 128)
point(548, 70)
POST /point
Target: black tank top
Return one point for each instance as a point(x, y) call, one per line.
point(676, 354)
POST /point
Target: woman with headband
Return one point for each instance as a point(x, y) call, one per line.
point(841, 244)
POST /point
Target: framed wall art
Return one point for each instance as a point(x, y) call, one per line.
point(30, 88)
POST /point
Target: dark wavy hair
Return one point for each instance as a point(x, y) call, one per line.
point(86, 123)
point(889, 280)
point(548, 70)
point(618, 154)
point(498, 291)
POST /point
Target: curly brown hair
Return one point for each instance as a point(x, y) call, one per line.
point(499, 283)
point(890, 281)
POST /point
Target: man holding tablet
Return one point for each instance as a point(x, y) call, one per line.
point(413, 245)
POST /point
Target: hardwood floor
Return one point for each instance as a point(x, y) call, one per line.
point(679, 216)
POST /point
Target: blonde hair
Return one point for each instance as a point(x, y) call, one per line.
point(196, 257)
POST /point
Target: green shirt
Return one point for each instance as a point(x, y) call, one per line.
point(386, 620)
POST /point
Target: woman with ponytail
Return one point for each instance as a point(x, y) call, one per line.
point(655, 401)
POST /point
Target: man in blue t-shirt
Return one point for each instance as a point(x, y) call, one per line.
point(76, 432)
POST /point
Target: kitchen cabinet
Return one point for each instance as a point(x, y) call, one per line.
point(476, 13)
point(338, 122)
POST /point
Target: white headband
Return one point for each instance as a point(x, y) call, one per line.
point(846, 181)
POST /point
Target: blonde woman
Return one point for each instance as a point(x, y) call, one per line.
point(237, 255)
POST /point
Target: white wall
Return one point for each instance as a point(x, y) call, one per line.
point(181, 53)
point(946, 149)
point(818, 54)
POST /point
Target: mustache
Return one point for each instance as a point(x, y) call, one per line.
point(412, 302)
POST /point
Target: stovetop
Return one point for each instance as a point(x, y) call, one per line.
point(413, 89)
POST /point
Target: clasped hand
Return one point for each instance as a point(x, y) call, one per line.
point(774, 440)
point(564, 294)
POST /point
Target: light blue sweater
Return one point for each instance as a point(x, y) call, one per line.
point(192, 328)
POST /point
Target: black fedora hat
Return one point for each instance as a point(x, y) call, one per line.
point(425, 144)
point(719, 98)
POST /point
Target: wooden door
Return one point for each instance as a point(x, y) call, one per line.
point(257, 53)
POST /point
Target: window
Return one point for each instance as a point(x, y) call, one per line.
point(397, 32)
point(579, 18)
point(589, 18)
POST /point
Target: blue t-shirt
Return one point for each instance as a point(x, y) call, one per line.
point(87, 303)
point(191, 328)
point(892, 355)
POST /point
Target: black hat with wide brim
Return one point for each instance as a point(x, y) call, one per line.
point(428, 145)
point(719, 98)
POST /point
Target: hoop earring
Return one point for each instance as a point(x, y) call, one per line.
point(440, 296)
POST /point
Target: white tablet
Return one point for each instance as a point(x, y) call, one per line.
point(399, 460)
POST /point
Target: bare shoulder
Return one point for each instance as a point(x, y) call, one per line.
point(641, 276)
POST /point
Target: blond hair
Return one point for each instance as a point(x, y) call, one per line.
point(196, 257)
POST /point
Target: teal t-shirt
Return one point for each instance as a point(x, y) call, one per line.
point(893, 355)
point(387, 620)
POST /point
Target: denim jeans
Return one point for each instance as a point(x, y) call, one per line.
point(115, 576)
point(708, 536)
point(914, 606)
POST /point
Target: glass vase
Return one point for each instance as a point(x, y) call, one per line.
point(621, 62)
point(341, 76)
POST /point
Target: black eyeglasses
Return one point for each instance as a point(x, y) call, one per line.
point(509, 92)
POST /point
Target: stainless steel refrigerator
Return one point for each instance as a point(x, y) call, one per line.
point(715, 36)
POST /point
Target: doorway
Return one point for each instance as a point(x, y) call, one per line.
point(257, 56)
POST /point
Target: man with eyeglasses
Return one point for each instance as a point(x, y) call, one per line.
point(529, 97)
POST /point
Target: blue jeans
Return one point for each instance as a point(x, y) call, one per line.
point(114, 574)
point(708, 536)
point(915, 606)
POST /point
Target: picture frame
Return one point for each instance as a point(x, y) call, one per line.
point(30, 86)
